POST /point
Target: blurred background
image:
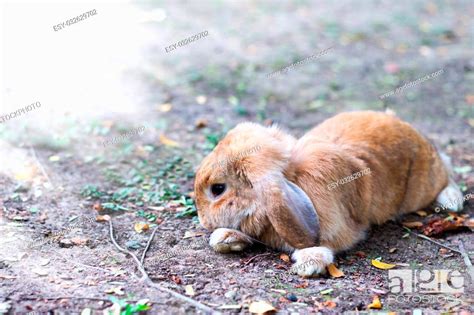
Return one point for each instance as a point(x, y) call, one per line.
point(109, 74)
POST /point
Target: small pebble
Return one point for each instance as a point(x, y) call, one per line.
point(65, 243)
point(292, 297)
point(230, 294)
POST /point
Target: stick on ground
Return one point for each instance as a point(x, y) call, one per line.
point(432, 241)
point(146, 279)
point(148, 245)
point(467, 261)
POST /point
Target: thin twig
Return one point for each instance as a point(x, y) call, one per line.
point(432, 241)
point(256, 256)
point(146, 279)
point(81, 298)
point(467, 261)
point(81, 264)
point(41, 166)
point(148, 245)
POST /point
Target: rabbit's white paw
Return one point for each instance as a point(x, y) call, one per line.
point(226, 240)
point(311, 260)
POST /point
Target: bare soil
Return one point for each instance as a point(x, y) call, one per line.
point(193, 96)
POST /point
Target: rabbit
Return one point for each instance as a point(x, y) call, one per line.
point(261, 184)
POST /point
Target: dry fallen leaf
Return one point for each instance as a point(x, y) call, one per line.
point(421, 213)
point(86, 311)
point(329, 304)
point(141, 226)
point(261, 307)
point(285, 257)
point(54, 158)
point(201, 99)
point(360, 254)
point(392, 250)
point(168, 142)
point(278, 291)
point(160, 208)
point(391, 67)
point(116, 290)
point(102, 218)
point(303, 285)
point(382, 265)
point(443, 251)
point(40, 271)
point(79, 241)
point(334, 272)
point(201, 123)
point(411, 225)
point(376, 304)
point(26, 173)
point(189, 234)
point(165, 107)
point(440, 225)
point(189, 290)
point(176, 279)
point(470, 99)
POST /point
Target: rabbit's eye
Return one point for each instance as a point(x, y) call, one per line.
point(217, 189)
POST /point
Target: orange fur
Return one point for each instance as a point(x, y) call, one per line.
point(406, 174)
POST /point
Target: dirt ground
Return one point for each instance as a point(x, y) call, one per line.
point(56, 178)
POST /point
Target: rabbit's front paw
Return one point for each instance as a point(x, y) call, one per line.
point(227, 240)
point(312, 260)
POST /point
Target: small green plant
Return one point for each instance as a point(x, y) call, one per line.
point(149, 216)
point(91, 191)
point(190, 207)
point(127, 308)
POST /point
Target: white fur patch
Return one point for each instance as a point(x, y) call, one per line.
point(221, 236)
point(450, 198)
point(311, 260)
point(225, 240)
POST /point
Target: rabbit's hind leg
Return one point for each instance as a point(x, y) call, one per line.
point(450, 198)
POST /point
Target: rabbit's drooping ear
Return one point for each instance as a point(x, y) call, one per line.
point(294, 218)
